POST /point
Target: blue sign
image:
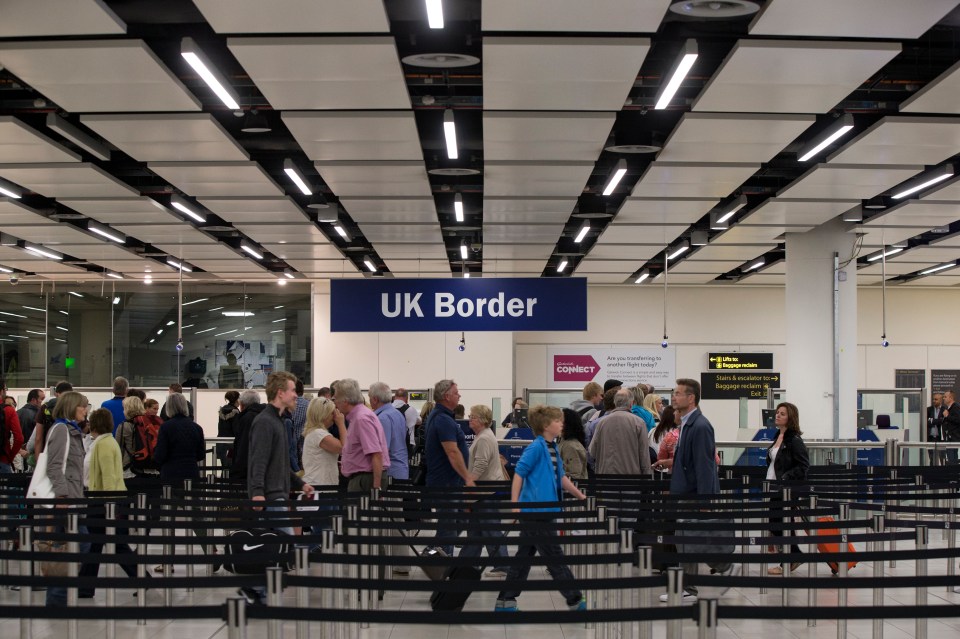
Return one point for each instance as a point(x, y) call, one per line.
point(476, 304)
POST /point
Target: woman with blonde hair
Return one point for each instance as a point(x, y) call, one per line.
point(654, 404)
point(320, 448)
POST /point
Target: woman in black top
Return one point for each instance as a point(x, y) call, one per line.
point(180, 443)
point(787, 461)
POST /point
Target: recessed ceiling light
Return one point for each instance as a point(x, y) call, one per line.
point(201, 299)
point(619, 170)
point(715, 9)
point(186, 208)
point(294, 174)
point(681, 68)
point(441, 60)
point(217, 83)
point(453, 172)
point(435, 13)
point(237, 313)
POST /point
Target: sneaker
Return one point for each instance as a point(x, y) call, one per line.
point(506, 605)
point(497, 572)
point(685, 598)
point(732, 571)
point(253, 597)
point(578, 605)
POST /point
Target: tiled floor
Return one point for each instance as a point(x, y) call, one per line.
point(484, 601)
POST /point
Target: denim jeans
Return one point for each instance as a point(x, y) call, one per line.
point(546, 549)
point(495, 548)
point(57, 595)
point(5, 468)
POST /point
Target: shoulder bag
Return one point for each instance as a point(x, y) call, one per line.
point(40, 485)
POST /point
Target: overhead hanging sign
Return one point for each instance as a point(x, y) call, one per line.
point(475, 304)
point(630, 365)
point(737, 385)
point(739, 361)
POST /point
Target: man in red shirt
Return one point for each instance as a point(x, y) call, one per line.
point(11, 437)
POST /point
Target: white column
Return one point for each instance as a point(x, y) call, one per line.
point(809, 374)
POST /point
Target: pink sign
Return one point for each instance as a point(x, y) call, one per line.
point(574, 368)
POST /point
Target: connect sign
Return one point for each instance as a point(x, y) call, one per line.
point(574, 368)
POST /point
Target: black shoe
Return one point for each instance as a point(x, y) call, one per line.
point(86, 594)
point(253, 597)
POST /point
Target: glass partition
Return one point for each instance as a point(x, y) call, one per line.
point(893, 414)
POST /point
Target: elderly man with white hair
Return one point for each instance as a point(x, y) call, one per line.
point(394, 429)
point(365, 455)
point(620, 445)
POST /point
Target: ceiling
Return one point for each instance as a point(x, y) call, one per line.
point(104, 125)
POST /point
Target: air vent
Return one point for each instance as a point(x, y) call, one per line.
point(633, 148)
point(453, 172)
point(715, 9)
point(441, 60)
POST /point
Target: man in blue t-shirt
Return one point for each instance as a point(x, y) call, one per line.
point(115, 405)
point(446, 450)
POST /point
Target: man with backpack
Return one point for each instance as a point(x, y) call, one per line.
point(115, 405)
point(11, 437)
point(401, 401)
point(45, 421)
point(591, 403)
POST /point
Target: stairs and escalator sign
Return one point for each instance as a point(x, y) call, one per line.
point(734, 385)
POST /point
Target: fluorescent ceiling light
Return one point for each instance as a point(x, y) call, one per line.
point(938, 268)
point(34, 308)
point(699, 238)
point(10, 190)
point(75, 294)
point(734, 206)
point(279, 330)
point(561, 266)
point(458, 207)
point(225, 332)
point(463, 250)
point(196, 59)
point(678, 250)
point(13, 314)
point(63, 312)
point(186, 326)
point(249, 248)
point(206, 330)
point(618, 172)
point(282, 319)
point(853, 215)
point(370, 266)
point(435, 14)
point(175, 264)
point(35, 332)
point(894, 250)
point(78, 137)
point(153, 340)
point(171, 323)
point(116, 301)
point(342, 232)
point(237, 313)
point(42, 251)
point(160, 332)
point(289, 276)
point(682, 68)
point(281, 306)
point(583, 232)
point(644, 274)
point(755, 265)
point(186, 208)
point(201, 299)
point(5, 270)
point(465, 272)
point(834, 132)
point(291, 170)
point(113, 274)
point(215, 309)
point(450, 134)
point(716, 224)
point(925, 180)
point(60, 340)
point(20, 336)
point(63, 328)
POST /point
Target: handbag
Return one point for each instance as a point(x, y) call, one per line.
point(699, 545)
point(52, 567)
point(40, 485)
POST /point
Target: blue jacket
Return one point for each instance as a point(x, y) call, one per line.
point(694, 462)
point(645, 415)
point(539, 481)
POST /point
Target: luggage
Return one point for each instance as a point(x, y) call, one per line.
point(833, 547)
point(258, 543)
point(453, 601)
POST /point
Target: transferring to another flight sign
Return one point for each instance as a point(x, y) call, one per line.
point(740, 361)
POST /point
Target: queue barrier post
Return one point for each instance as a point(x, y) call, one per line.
point(73, 546)
point(674, 593)
point(302, 557)
point(923, 538)
point(328, 598)
point(707, 619)
point(274, 594)
point(141, 567)
point(339, 571)
point(366, 550)
point(167, 494)
point(785, 496)
point(26, 568)
point(236, 618)
point(951, 533)
point(842, 593)
point(879, 526)
point(645, 562)
point(187, 488)
point(592, 596)
point(812, 567)
point(110, 550)
point(765, 488)
point(607, 570)
point(626, 568)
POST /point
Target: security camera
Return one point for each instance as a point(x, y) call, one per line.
point(179, 346)
point(14, 279)
point(461, 348)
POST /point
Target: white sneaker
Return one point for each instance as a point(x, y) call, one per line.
point(685, 598)
point(732, 571)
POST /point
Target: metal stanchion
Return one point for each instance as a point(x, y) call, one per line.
point(785, 497)
point(167, 494)
point(842, 573)
point(609, 570)
point(187, 487)
point(645, 561)
point(340, 600)
point(327, 569)
point(593, 570)
point(236, 618)
point(73, 546)
point(142, 549)
point(674, 592)
point(878, 527)
point(354, 597)
point(951, 533)
point(921, 568)
point(110, 550)
point(302, 557)
point(626, 569)
point(812, 566)
point(26, 568)
point(365, 551)
point(765, 534)
point(274, 594)
point(707, 619)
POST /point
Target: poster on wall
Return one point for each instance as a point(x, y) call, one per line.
point(942, 380)
point(575, 366)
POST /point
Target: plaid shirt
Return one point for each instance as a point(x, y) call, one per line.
point(299, 421)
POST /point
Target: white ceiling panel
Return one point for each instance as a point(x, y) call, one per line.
point(687, 179)
point(803, 213)
point(620, 16)
point(664, 210)
point(730, 252)
point(325, 73)
point(12, 212)
point(66, 179)
point(352, 273)
point(527, 210)
point(953, 241)
point(336, 135)
point(776, 76)
point(716, 267)
point(27, 18)
point(624, 251)
point(168, 137)
point(247, 210)
point(295, 16)
point(100, 253)
point(517, 251)
point(878, 235)
point(902, 140)
point(495, 267)
point(555, 136)
point(939, 96)
point(404, 233)
point(376, 179)
point(56, 235)
point(270, 232)
point(512, 179)
point(656, 234)
point(217, 178)
point(936, 279)
point(932, 255)
point(413, 210)
point(686, 278)
point(850, 18)
point(847, 181)
point(238, 265)
point(764, 279)
point(623, 267)
point(121, 210)
point(920, 213)
point(24, 261)
point(308, 251)
point(21, 143)
point(417, 266)
point(753, 234)
point(169, 235)
point(526, 233)
point(98, 75)
point(606, 278)
point(732, 137)
point(949, 192)
point(388, 250)
point(438, 275)
point(895, 267)
point(560, 74)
